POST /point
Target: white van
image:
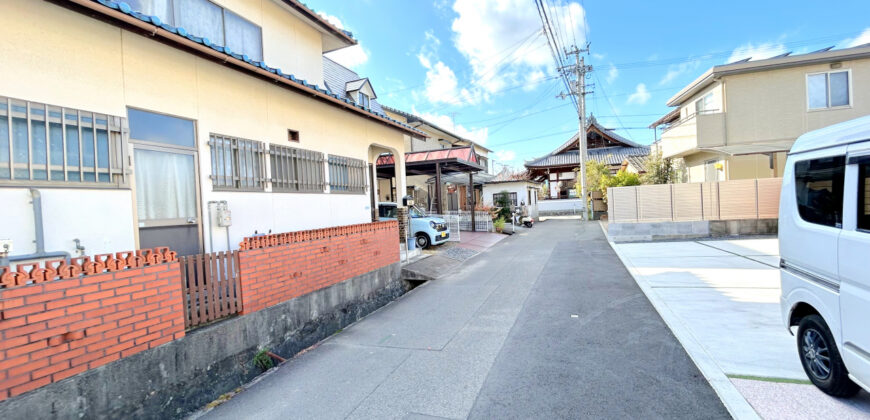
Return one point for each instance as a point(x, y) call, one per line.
point(824, 242)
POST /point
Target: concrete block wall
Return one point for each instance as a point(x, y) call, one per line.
point(54, 326)
point(277, 268)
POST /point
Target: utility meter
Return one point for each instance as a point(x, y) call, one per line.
point(224, 215)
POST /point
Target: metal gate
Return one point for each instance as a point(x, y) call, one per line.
point(453, 225)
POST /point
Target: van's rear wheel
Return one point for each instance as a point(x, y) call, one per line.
point(821, 359)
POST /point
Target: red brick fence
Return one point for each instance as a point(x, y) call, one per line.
point(59, 319)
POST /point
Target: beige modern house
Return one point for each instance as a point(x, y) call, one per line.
point(738, 121)
point(139, 123)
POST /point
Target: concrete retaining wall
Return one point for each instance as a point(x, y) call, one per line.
point(651, 231)
point(181, 376)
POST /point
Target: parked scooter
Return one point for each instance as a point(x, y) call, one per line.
point(521, 216)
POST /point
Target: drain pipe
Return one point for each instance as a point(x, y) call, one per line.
point(39, 236)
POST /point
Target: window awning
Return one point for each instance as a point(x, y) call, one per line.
point(452, 160)
point(752, 149)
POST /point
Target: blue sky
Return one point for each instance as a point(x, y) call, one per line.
point(483, 68)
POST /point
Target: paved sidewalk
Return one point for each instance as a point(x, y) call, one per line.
point(724, 295)
point(546, 324)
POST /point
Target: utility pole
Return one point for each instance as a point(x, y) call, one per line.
point(579, 90)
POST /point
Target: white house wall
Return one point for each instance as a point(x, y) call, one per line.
point(100, 219)
point(86, 64)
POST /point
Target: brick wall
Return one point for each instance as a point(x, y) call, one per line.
point(56, 321)
point(276, 268)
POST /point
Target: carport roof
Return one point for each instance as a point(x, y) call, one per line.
point(452, 160)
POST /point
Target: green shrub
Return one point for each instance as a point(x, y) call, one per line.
point(498, 223)
point(263, 361)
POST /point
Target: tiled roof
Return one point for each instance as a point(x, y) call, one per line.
point(336, 77)
point(609, 155)
point(593, 123)
point(313, 15)
point(255, 65)
point(639, 162)
point(414, 118)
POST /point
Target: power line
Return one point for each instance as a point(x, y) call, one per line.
point(513, 48)
point(612, 108)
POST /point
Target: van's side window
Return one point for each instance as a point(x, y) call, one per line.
point(864, 197)
point(819, 188)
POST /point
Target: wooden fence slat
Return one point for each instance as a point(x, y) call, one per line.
point(200, 286)
point(237, 285)
point(211, 282)
point(186, 294)
point(192, 296)
point(211, 287)
point(226, 278)
point(231, 303)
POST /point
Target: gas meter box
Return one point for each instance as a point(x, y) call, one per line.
point(224, 215)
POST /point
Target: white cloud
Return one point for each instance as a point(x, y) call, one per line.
point(533, 79)
point(612, 74)
point(675, 70)
point(757, 52)
point(640, 95)
point(350, 57)
point(441, 85)
point(478, 135)
point(505, 156)
point(862, 39)
point(491, 35)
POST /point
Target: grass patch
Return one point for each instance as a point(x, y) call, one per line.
point(767, 379)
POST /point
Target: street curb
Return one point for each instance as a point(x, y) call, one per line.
point(733, 400)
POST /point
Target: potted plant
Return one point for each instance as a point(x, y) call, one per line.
point(498, 224)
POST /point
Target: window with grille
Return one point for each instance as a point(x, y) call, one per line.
point(55, 146)
point(237, 164)
point(346, 175)
point(296, 170)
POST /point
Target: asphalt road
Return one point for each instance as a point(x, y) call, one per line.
point(546, 324)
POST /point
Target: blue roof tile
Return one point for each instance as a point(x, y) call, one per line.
point(126, 9)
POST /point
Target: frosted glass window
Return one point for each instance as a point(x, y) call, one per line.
point(839, 88)
point(828, 90)
point(201, 18)
point(54, 139)
point(243, 37)
point(817, 90)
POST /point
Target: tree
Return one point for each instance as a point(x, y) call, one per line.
point(503, 205)
point(659, 170)
point(622, 178)
point(594, 172)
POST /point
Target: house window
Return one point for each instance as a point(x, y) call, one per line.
point(50, 145)
point(819, 190)
point(363, 99)
point(237, 164)
point(296, 170)
point(705, 104)
point(501, 198)
point(828, 90)
point(293, 136)
point(346, 175)
point(205, 19)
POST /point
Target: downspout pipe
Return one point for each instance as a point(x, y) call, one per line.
point(39, 234)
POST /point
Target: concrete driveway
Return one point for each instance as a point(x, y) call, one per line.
point(722, 299)
point(545, 324)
